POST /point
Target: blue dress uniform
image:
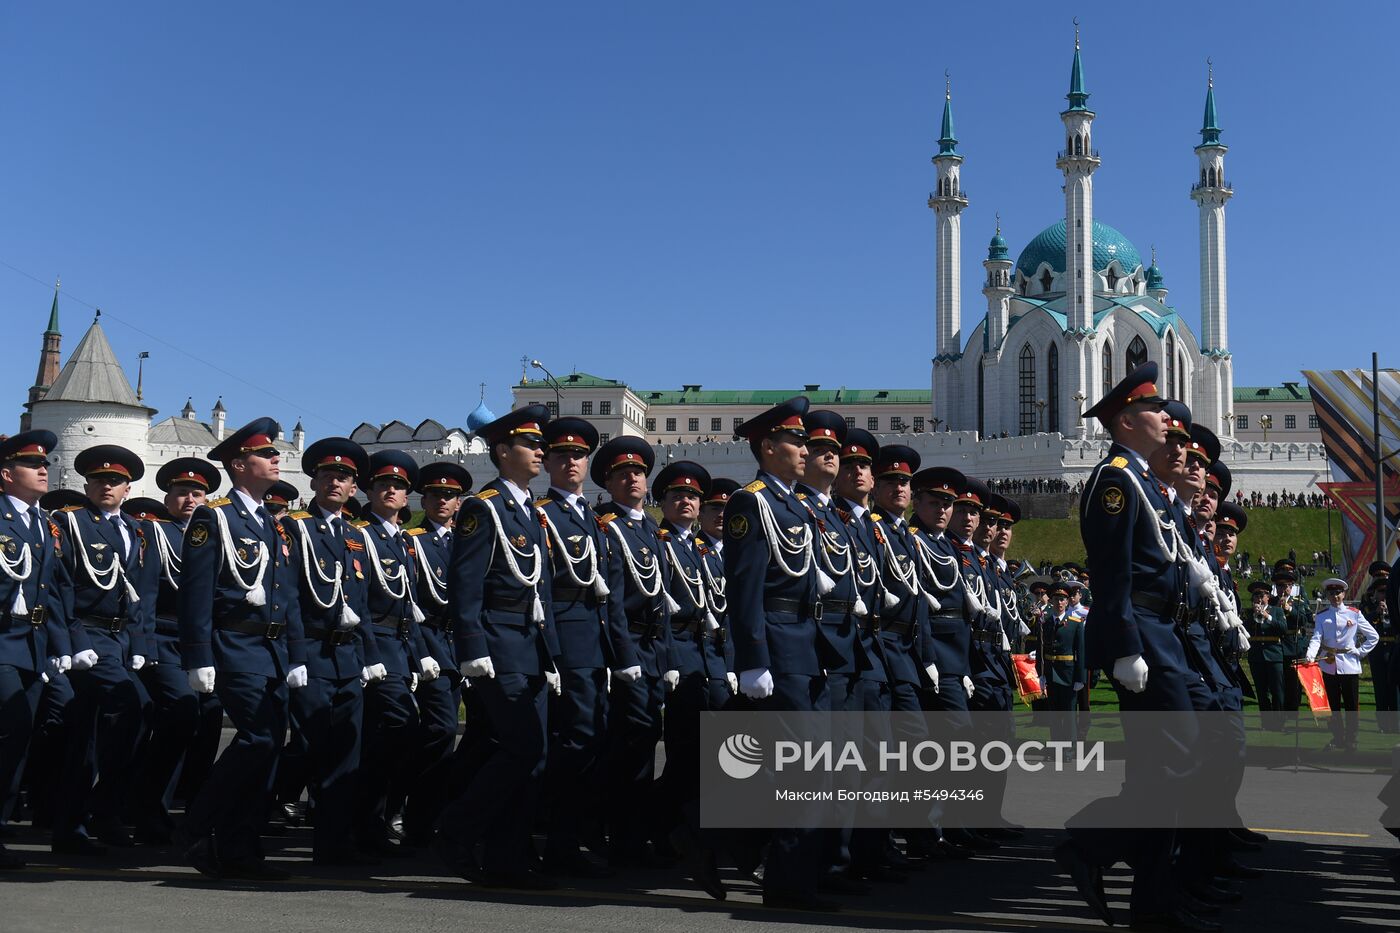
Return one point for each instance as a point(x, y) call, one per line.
point(943, 565)
point(239, 615)
point(1137, 586)
point(992, 676)
point(904, 609)
point(503, 623)
point(33, 627)
point(328, 713)
point(719, 647)
point(181, 720)
point(773, 605)
point(1060, 658)
point(391, 714)
point(112, 595)
point(591, 623)
point(634, 706)
point(430, 545)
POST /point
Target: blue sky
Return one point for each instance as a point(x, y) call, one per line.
point(346, 212)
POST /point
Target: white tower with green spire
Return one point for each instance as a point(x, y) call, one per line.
point(1078, 162)
point(947, 202)
point(1215, 378)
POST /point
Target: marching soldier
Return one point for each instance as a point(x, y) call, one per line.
point(709, 541)
point(1341, 637)
point(904, 613)
point(112, 596)
point(33, 633)
point(499, 592)
point(240, 635)
point(591, 623)
point(182, 720)
point(1061, 660)
point(391, 715)
point(442, 486)
point(342, 655)
point(621, 467)
point(1267, 626)
point(855, 482)
point(1373, 606)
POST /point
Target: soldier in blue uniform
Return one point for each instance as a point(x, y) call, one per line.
point(592, 629)
point(904, 608)
point(621, 467)
point(1133, 636)
point(1060, 660)
point(240, 635)
point(442, 486)
point(178, 714)
point(112, 595)
point(279, 498)
point(341, 654)
point(33, 632)
point(499, 595)
point(774, 610)
point(391, 715)
point(709, 541)
point(854, 484)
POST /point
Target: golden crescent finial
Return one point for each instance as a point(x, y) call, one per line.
point(947, 85)
point(1210, 72)
point(998, 223)
point(1076, 33)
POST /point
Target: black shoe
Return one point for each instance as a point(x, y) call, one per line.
point(1088, 879)
point(9, 861)
point(1241, 844)
point(1229, 868)
point(838, 883)
point(1210, 894)
point(791, 900)
point(1175, 919)
point(1193, 906)
point(706, 874)
point(519, 880)
point(346, 858)
point(575, 865)
point(1249, 835)
point(878, 874)
point(459, 859)
point(77, 844)
point(254, 870)
point(897, 860)
point(1007, 833)
point(112, 833)
point(971, 839)
point(948, 850)
point(294, 813)
point(201, 855)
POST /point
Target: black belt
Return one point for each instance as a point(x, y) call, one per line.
point(333, 636)
point(718, 636)
point(778, 604)
point(897, 626)
point(652, 629)
point(522, 605)
point(398, 627)
point(695, 626)
point(570, 594)
point(946, 614)
point(1177, 611)
point(37, 616)
point(271, 630)
point(987, 638)
point(839, 606)
point(438, 624)
point(109, 625)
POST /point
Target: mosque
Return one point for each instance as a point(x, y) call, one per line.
point(1077, 309)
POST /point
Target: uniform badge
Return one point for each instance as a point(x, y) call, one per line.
point(518, 541)
point(198, 535)
point(1113, 500)
point(737, 527)
point(1118, 462)
point(243, 554)
point(468, 524)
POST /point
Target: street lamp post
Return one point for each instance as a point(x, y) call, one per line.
point(554, 384)
point(1266, 422)
point(1040, 412)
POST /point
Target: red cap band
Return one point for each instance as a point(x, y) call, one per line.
point(337, 461)
point(855, 452)
point(628, 459)
point(569, 441)
point(114, 468)
point(791, 423)
point(529, 427)
point(900, 467)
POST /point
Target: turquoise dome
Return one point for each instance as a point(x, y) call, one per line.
point(480, 417)
point(997, 248)
point(1049, 247)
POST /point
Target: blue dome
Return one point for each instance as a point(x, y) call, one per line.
point(1049, 247)
point(996, 249)
point(480, 416)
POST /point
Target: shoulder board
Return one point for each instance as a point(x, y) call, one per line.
point(414, 532)
point(298, 516)
point(604, 519)
point(801, 496)
point(755, 486)
point(215, 503)
point(541, 503)
point(663, 532)
point(913, 529)
point(876, 517)
point(487, 494)
point(359, 523)
point(1119, 462)
point(72, 508)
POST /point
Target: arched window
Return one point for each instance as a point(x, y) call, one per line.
point(1171, 366)
point(1181, 377)
point(1052, 388)
point(1137, 355)
point(1106, 386)
point(981, 397)
point(1027, 383)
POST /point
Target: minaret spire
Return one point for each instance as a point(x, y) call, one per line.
point(1077, 96)
point(947, 202)
point(1214, 380)
point(947, 142)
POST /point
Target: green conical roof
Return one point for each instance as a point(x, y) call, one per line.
point(1077, 96)
point(1210, 129)
point(947, 143)
point(53, 316)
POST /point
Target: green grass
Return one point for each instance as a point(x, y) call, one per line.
point(1270, 533)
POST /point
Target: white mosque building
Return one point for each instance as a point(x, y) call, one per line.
point(1078, 308)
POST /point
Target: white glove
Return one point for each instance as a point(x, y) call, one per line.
point(430, 668)
point(138, 661)
point(629, 675)
point(672, 679)
point(1131, 672)
point(297, 677)
point(967, 685)
point(1312, 655)
point(556, 683)
point(756, 684)
point(1031, 655)
point(201, 679)
point(1005, 642)
point(1024, 628)
point(1077, 687)
point(932, 672)
point(84, 660)
point(733, 680)
point(481, 667)
point(56, 666)
point(375, 672)
point(413, 682)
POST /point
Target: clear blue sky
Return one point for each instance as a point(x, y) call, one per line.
point(365, 210)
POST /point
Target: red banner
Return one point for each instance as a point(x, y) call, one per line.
point(1027, 678)
point(1310, 676)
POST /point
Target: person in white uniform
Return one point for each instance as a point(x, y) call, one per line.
point(1341, 638)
